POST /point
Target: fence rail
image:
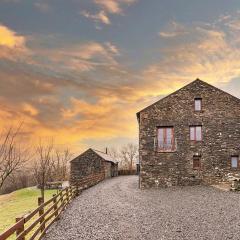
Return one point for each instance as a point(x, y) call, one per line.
point(127, 172)
point(34, 225)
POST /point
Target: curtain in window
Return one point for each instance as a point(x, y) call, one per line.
point(165, 138)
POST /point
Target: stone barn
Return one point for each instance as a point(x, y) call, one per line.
point(91, 167)
point(190, 137)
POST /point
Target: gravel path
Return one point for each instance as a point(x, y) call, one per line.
point(117, 209)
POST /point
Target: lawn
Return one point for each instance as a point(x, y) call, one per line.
point(19, 203)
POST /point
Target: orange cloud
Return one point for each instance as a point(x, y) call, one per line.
point(29, 109)
point(83, 91)
point(12, 45)
point(10, 39)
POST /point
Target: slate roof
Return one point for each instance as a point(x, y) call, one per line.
point(105, 156)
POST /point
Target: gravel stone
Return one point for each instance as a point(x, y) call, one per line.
point(116, 209)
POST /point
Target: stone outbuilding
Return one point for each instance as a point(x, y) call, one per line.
point(91, 167)
point(190, 137)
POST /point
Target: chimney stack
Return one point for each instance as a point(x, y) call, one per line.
point(106, 150)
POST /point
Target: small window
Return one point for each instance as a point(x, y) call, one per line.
point(196, 162)
point(166, 139)
point(198, 104)
point(234, 161)
point(196, 133)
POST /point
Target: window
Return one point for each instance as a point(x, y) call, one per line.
point(166, 139)
point(198, 104)
point(234, 161)
point(196, 162)
point(196, 133)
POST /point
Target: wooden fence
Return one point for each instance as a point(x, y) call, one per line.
point(127, 172)
point(35, 224)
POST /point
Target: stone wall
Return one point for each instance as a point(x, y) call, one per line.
point(220, 120)
point(87, 170)
point(107, 167)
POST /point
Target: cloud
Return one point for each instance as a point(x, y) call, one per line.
point(99, 17)
point(11, 1)
point(29, 109)
point(42, 6)
point(12, 45)
point(10, 39)
point(77, 57)
point(107, 7)
point(112, 48)
point(202, 51)
point(113, 6)
point(91, 119)
point(85, 90)
point(173, 29)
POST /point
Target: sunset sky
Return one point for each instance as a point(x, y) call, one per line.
point(79, 70)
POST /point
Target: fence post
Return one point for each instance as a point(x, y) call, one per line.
point(41, 212)
point(55, 205)
point(67, 195)
point(61, 197)
point(21, 228)
point(71, 193)
point(77, 191)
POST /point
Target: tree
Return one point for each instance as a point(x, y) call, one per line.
point(128, 155)
point(113, 152)
point(43, 164)
point(12, 155)
point(60, 164)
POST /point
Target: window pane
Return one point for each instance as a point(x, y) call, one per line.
point(165, 138)
point(198, 104)
point(234, 162)
point(192, 133)
point(199, 133)
point(196, 162)
point(169, 138)
point(160, 137)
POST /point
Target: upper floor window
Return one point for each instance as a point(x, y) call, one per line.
point(196, 162)
point(196, 133)
point(198, 104)
point(166, 139)
point(234, 161)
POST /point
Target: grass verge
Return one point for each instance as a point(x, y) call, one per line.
point(19, 203)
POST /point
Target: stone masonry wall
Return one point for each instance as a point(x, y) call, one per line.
point(87, 170)
point(220, 120)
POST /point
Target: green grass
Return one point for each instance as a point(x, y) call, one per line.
point(19, 203)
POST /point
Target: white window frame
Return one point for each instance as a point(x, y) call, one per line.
point(198, 104)
point(236, 159)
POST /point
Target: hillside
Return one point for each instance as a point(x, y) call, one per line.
point(18, 203)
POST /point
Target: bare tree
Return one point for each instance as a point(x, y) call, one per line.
point(12, 155)
point(128, 155)
point(113, 152)
point(43, 164)
point(60, 164)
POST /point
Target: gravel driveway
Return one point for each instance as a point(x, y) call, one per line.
point(117, 209)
